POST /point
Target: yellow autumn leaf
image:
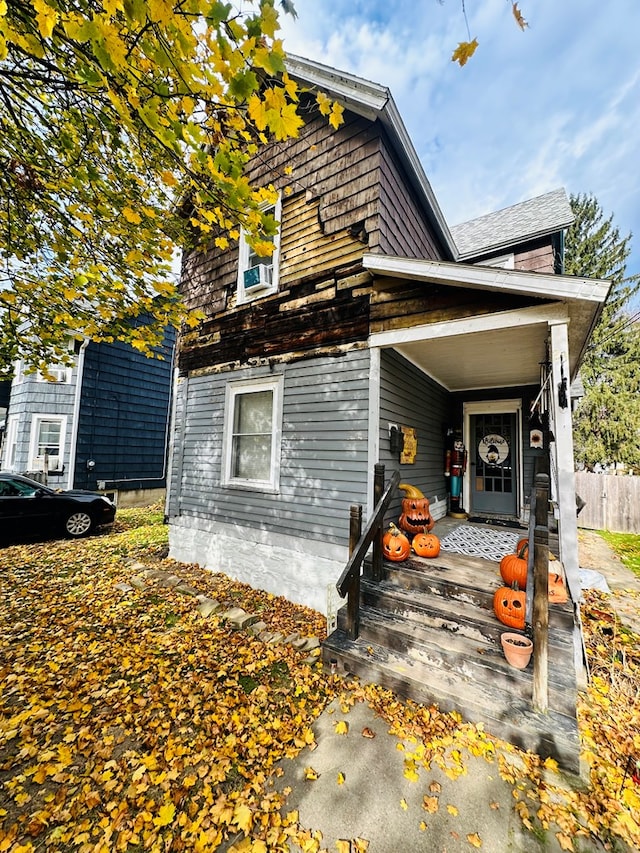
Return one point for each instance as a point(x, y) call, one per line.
point(324, 103)
point(360, 845)
point(403, 804)
point(243, 818)
point(452, 810)
point(410, 771)
point(343, 846)
point(310, 773)
point(46, 18)
point(474, 839)
point(464, 52)
point(166, 814)
point(336, 117)
point(340, 778)
point(341, 727)
point(131, 216)
point(430, 804)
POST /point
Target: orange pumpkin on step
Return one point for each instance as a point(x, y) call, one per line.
point(426, 544)
point(513, 568)
point(509, 605)
point(395, 545)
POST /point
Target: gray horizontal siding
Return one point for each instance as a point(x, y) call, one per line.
point(323, 466)
point(409, 398)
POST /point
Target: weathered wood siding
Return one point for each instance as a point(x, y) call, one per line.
point(399, 303)
point(347, 191)
point(403, 228)
point(538, 256)
point(409, 398)
point(612, 503)
point(323, 467)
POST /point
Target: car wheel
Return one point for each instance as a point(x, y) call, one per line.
point(78, 524)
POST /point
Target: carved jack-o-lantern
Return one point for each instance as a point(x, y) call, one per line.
point(509, 606)
point(395, 545)
point(415, 510)
point(426, 544)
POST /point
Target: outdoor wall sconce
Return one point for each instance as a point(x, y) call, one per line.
point(396, 439)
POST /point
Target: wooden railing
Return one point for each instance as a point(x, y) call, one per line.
point(538, 589)
point(360, 542)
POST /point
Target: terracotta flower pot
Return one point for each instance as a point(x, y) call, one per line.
point(517, 649)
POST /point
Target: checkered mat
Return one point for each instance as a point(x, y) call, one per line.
point(488, 543)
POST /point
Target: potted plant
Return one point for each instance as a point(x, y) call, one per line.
point(517, 649)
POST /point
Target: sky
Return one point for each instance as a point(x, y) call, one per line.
point(557, 105)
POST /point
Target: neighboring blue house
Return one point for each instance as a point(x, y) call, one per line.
point(100, 424)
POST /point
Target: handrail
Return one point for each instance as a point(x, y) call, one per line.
point(359, 542)
point(540, 609)
point(368, 534)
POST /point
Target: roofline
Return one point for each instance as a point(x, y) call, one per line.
point(374, 101)
point(541, 285)
point(509, 244)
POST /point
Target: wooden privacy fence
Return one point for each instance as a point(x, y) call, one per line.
point(612, 503)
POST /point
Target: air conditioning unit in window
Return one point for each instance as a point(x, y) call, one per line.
point(257, 278)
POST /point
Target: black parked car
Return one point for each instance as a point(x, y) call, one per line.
point(28, 507)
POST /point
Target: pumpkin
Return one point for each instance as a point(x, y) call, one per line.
point(513, 568)
point(426, 544)
point(509, 606)
point(557, 590)
point(415, 510)
point(522, 548)
point(395, 545)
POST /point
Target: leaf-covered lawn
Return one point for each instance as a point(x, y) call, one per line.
point(129, 722)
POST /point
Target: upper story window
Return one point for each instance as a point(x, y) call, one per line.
point(252, 434)
point(55, 373)
point(507, 262)
point(258, 274)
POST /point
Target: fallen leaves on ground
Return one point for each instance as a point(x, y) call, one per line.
point(128, 722)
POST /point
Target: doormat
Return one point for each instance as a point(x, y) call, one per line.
point(480, 542)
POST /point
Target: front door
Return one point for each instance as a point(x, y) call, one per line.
point(493, 465)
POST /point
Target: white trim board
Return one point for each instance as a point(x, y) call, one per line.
point(543, 285)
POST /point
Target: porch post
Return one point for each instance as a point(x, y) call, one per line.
point(563, 456)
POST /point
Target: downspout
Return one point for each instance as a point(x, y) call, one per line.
point(76, 414)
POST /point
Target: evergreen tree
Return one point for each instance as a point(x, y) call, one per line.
point(607, 419)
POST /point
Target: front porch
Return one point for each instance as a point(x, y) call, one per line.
point(427, 630)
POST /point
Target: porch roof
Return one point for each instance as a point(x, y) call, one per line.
point(496, 350)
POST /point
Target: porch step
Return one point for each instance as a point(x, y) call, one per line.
point(428, 632)
point(503, 714)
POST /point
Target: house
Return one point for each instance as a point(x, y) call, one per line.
point(100, 424)
point(375, 334)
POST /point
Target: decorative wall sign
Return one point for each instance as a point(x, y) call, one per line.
point(410, 448)
point(493, 449)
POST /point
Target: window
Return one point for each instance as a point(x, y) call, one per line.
point(507, 262)
point(253, 421)
point(47, 443)
point(257, 274)
point(11, 444)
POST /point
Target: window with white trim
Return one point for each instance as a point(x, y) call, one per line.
point(252, 434)
point(46, 452)
point(258, 274)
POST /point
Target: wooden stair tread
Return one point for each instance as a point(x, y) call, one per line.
point(503, 713)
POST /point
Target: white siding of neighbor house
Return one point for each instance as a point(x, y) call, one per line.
point(294, 542)
point(29, 397)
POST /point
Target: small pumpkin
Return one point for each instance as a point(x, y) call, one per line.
point(522, 548)
point(416, 514)
point(395, 545)
point(513, 568)
point(426, 544)
point(557, 590)
point(509, 605)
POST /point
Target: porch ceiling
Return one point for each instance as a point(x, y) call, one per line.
point(477, 360)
